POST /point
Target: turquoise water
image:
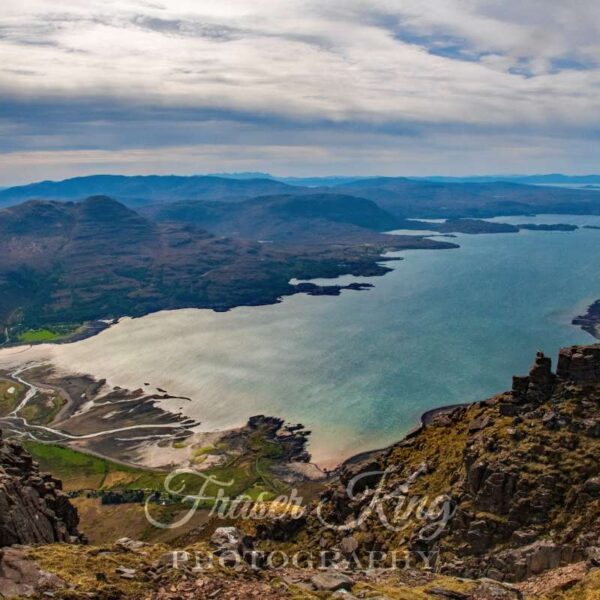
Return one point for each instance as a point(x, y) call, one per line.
point(444, 327)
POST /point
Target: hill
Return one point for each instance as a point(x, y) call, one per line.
point(141, 190)
point(403, 197)
point(63, 264)
point(282, 218)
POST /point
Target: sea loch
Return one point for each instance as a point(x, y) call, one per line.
point(358, 370)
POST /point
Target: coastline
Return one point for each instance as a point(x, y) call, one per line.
point(426, 418)
point(590, 321)
point(79, 428)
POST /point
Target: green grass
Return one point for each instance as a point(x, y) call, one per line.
point(8, 402)
point(84, 471)
point(202, 451)
point(257, 491)
point(38, 335)
point(250, 473)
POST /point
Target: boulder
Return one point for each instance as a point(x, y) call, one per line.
point(226, 537)
point(129, 545)
point(22, 578)
point(330, 581)
point(348, 545)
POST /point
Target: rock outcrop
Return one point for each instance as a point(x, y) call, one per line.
point(33, 508)
point(518, 474)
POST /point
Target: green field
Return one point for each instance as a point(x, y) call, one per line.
point(34, 336)
point(249, 474)
point(84, 471)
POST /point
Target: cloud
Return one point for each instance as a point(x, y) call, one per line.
point(95, 75)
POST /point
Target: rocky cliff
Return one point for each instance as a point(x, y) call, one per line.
point(33, 509)
point(518, 476)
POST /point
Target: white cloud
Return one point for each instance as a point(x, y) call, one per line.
point(427, 63)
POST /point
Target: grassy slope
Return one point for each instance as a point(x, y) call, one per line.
point(8, 402)
point(249, 472)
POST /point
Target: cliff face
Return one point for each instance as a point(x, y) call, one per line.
point(33, 509)
point(519, 472)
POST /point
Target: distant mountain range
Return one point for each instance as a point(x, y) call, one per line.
point(141, 190)
point(400, 196)
point(548, 179)
point(552, 178)
point(409, 198)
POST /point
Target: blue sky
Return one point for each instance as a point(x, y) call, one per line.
point(298, 87)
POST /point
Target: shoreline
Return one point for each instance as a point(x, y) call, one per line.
point(590, 321)
point(139, 455)
point(426, 418)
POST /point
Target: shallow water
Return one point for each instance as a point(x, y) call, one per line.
point(358, 370)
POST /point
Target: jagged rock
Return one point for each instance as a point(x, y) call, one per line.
point(361, 476)
point(520, 386)
point(593, 556)
point(480, 423)
point(592, 486)
point(538, 385)
point(233, 547)
point(280, 530)
point(493, 590)
point(33, 509)
point(580, 364)
point(522, 538)
point(226, 536)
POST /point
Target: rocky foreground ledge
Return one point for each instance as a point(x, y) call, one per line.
point(33, 508)
point(518, 473)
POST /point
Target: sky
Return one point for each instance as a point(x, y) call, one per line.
point(298, 87)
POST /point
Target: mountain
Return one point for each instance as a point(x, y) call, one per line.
point(401, 196)
point(332, 180)
point(140, 190)
point(286, 218)
point(548, 179)
point(311, 182)
point(64, 263)
point(430, 199)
